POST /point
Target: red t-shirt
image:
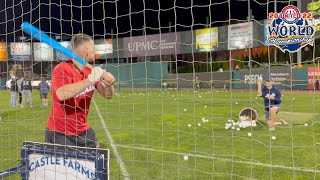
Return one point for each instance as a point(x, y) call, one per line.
point(69, 116)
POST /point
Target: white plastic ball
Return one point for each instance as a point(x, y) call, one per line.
point(273, 138)
point(189, 125)
point(185, 157)
point(249, 134)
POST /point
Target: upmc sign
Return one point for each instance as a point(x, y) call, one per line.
point(152, 45)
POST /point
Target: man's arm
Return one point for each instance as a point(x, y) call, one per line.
point(71, 90)
point(39, 86)
point(105, 87)
point(105, 90)
point(277, 98)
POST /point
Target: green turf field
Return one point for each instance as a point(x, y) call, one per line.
point(150, 131)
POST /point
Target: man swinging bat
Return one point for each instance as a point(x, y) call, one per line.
point(73, 85)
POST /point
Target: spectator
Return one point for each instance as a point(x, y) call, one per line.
point(197, 84)
point(26, 90)
point(19, 82)
point(164, 85)
point(44, 87)
point(287, 64)
point(237, 68)
point(8, 84)
point(14, 90)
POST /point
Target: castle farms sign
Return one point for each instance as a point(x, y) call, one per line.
point(152, 45)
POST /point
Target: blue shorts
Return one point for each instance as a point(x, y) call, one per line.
point(268, 113)
point(43, 96)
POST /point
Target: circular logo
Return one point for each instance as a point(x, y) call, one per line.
point(290, 14)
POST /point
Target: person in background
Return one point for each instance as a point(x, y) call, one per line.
point(19, 82)
point(8, 84)
point(197, 84)
point(44, 87)
point(237, 68)
point(14, 90)
point(26, 90)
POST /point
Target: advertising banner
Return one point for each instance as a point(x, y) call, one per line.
point(313, 77)
point(152, 45)
point(82, 169)
point(247, 79)
point(207, 39)
point(3, 51)
point(42, 52)
point(240, 36)
point(20, 51)
point(60, 56)
point(102, 48)
point(265, 35)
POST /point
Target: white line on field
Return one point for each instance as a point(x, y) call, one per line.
point(223, 159)
point(113, 146)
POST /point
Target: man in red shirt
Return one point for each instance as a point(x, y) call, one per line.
point(72, 88)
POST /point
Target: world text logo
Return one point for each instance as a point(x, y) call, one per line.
point(290, 30)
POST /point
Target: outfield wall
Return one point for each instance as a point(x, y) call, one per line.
point(139, 75)
point(153, 74)
point(206, 80)
point(285, 78)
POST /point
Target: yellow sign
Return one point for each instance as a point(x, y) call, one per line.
point(3, 51)
point(207, 39)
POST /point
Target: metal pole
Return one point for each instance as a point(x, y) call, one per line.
point(299, 54)
point(170, 59)
point(275, 49)
point(207, 53)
